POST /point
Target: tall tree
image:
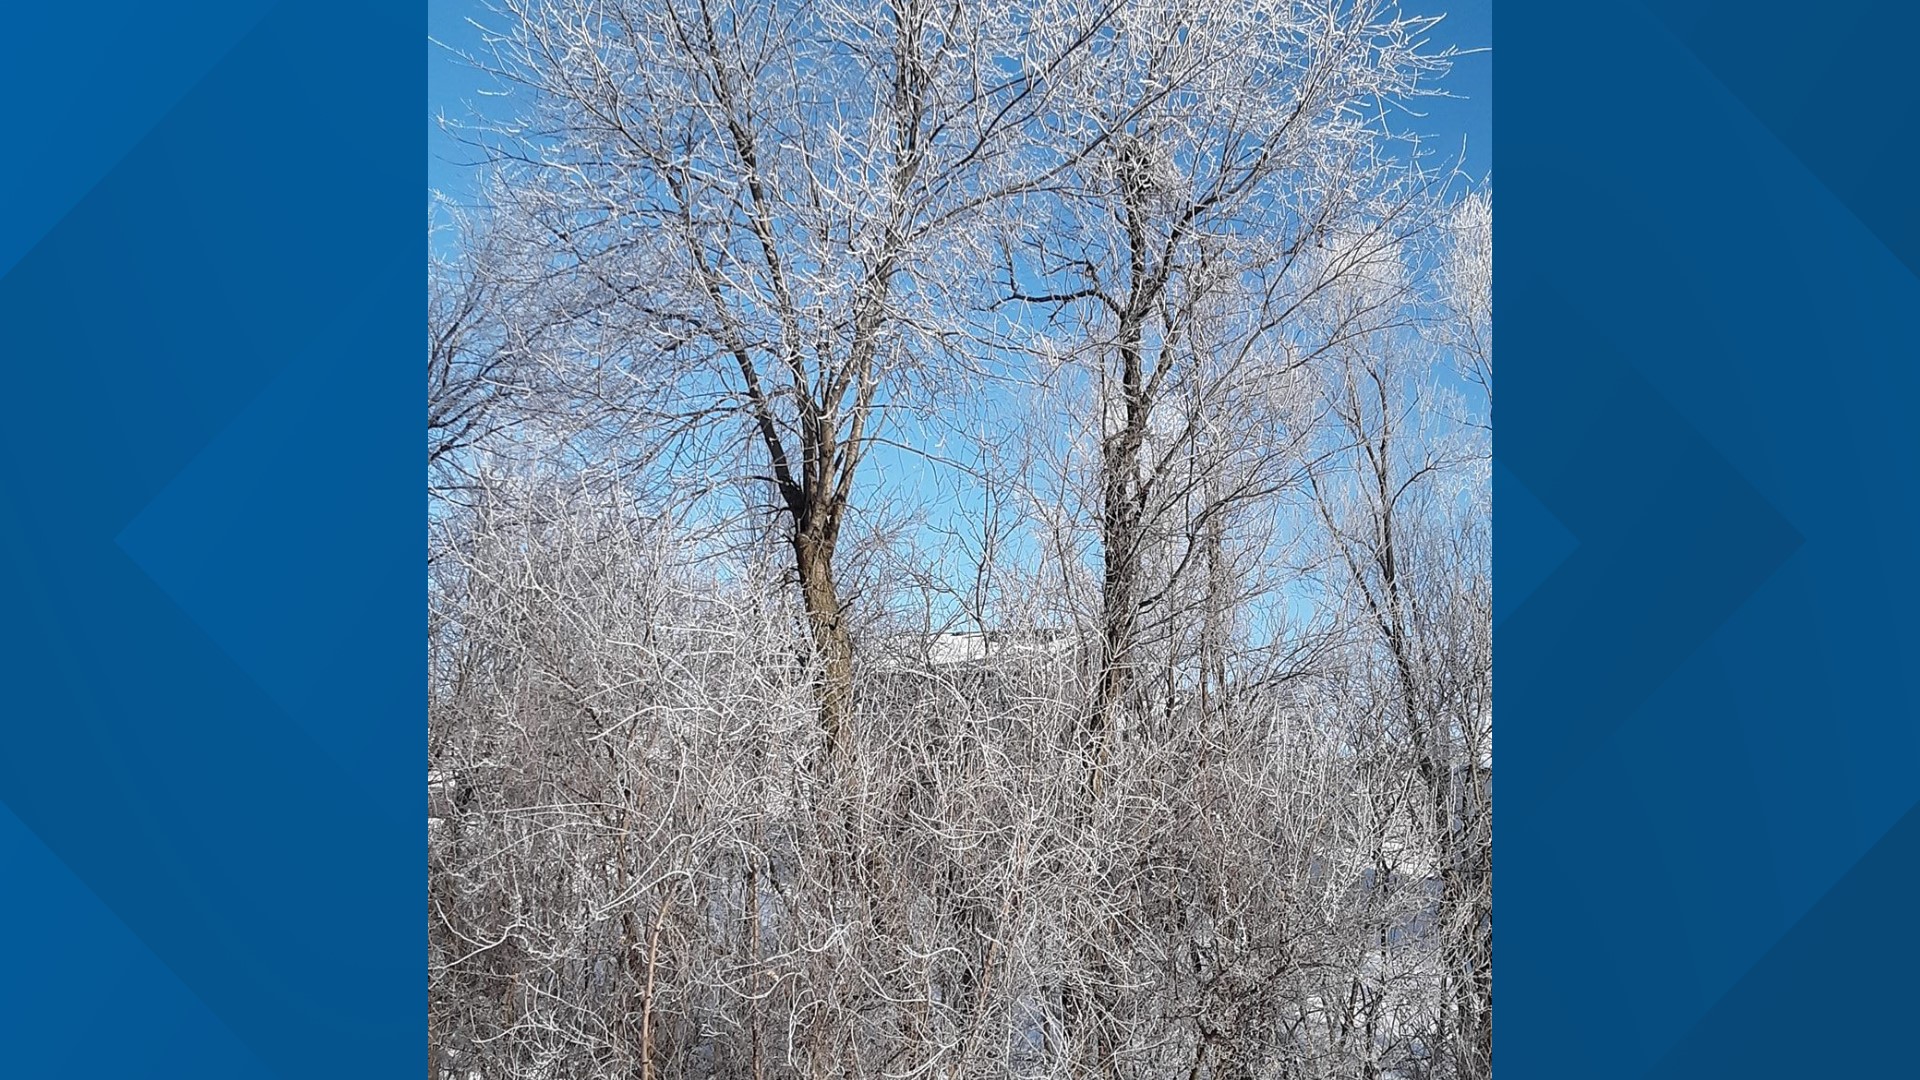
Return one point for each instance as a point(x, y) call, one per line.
point(1402, 494)
point(767, 197)
point(729, 246)
point(1232, 147)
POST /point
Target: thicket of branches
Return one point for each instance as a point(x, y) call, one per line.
point(958, 547)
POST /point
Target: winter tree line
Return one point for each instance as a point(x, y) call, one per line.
point(958, 547)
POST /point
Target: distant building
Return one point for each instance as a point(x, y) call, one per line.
point(968, 647)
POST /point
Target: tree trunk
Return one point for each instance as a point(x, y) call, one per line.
point(1121, 512)
point(813, 558)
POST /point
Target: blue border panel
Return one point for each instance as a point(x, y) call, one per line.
point(210, 525)
point(1706, 525)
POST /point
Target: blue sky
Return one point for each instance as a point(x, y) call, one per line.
point(454, 88)
point(1469, 115)
point(457, 90)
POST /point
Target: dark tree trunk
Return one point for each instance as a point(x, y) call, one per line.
point(813, 558)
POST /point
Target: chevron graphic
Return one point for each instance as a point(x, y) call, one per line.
point(1708, 281)
point(204, 483)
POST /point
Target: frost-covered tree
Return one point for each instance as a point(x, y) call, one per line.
point(758, 205)
point(1244, 161)
point(1168, 293)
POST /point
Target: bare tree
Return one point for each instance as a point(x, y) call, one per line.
point(1216, 510)
point(1235, 145)
point(1403, 503)
point(474, 368)
point(767, 192)
point(1466, 281)
point(630, 874)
